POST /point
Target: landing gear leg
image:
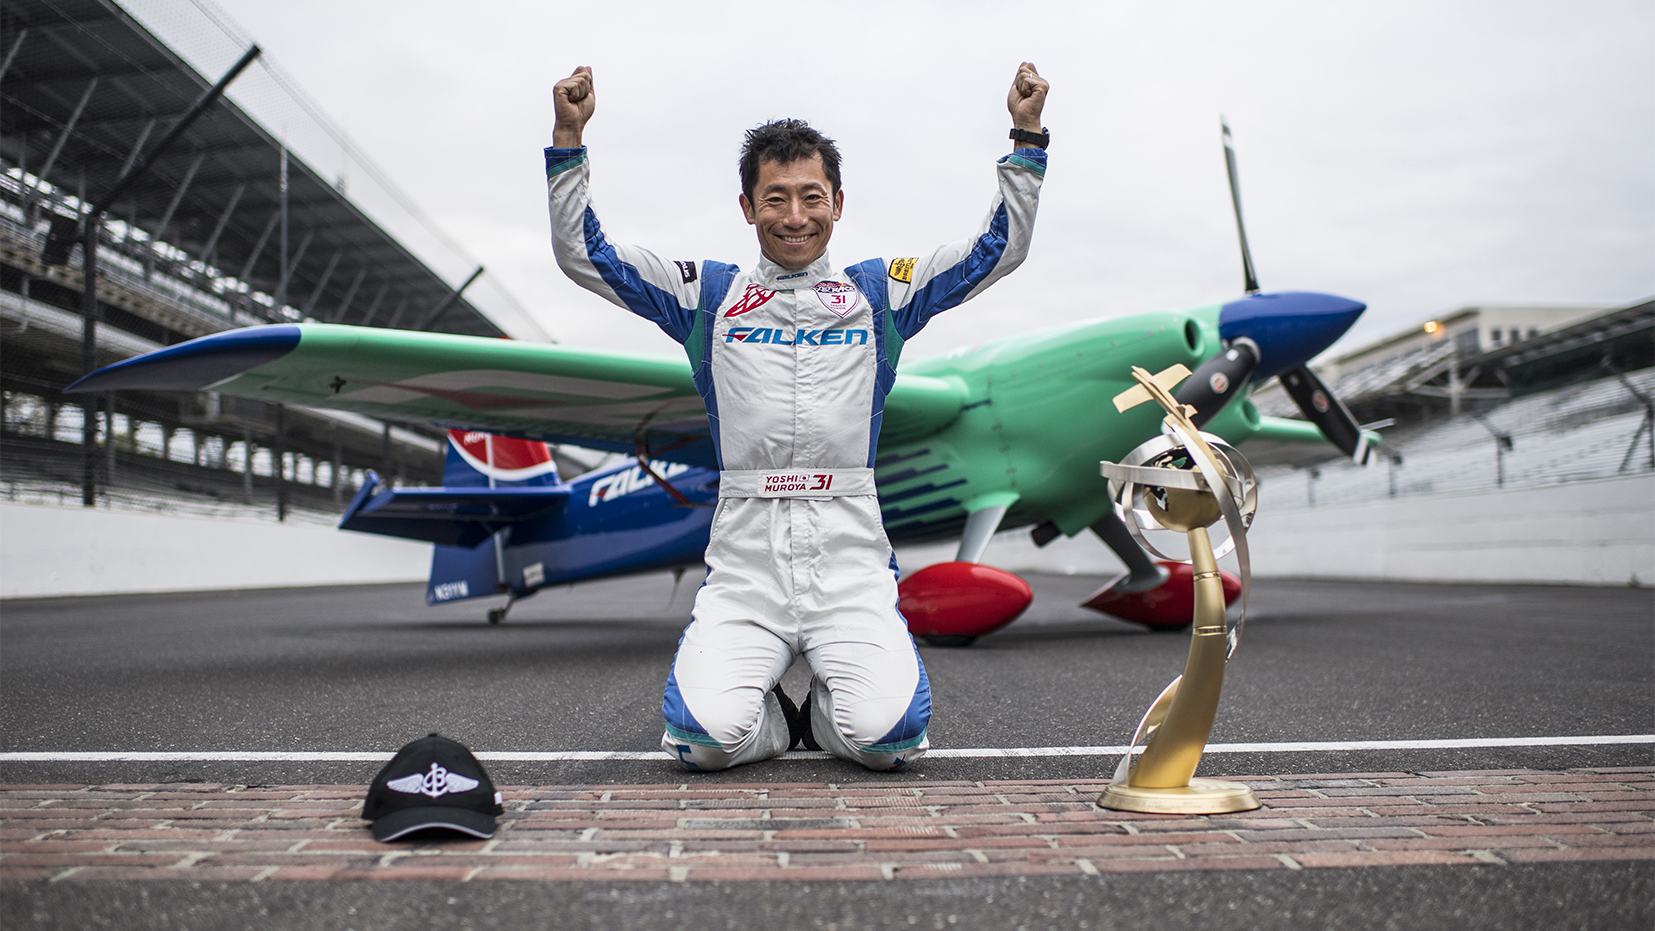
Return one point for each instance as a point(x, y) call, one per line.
point(1142, 572)
point(496, 615)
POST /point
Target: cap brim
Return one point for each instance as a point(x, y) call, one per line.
point(396, 824)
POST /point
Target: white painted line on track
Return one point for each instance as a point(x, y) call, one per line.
point(941, 753)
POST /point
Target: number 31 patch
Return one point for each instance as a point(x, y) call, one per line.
point(837, 296)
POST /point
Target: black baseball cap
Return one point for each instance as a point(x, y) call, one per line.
point(433, 782)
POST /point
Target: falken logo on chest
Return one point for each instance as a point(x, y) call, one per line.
point(837, 296)
point(776, 336)
point(751, 299)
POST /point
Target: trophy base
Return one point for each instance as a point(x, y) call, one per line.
point(1200, 797)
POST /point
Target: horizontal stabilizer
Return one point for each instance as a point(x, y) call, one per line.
point(446, 516)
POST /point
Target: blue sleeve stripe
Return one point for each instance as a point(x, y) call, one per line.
point(561, 160)
point(869, 277)
point(642, 298)
point(715, 285)
point(951, 287)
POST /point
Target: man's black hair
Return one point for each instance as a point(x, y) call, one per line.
point(785, 142)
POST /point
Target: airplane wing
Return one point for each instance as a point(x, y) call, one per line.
point(600, 399)
point(1288, 430)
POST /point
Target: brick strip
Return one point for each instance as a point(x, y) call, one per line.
point(706, 830)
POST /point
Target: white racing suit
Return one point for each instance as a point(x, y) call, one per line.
point(794, 367)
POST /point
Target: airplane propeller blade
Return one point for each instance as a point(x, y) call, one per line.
point(1324, 410)
point(1249, 277)
point(1216, 381)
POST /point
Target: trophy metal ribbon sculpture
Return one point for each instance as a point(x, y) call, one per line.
point(1184, 481)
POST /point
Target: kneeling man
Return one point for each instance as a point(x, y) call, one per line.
point(794, 359)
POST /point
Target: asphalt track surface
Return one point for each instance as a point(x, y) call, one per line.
point(368, 668)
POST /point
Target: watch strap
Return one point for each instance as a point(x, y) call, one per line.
point(1039, 140)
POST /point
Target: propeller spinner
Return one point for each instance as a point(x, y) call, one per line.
point(1269, 335)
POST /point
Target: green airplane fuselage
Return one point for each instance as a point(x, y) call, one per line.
point(1036, 418)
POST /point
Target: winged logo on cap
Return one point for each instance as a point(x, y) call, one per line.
point(438, 781)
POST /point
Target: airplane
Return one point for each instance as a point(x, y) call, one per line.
point(1004, 434)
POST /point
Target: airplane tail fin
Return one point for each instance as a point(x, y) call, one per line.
point(475, 457)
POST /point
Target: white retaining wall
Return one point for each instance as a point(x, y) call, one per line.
point(1598, 532)
point(86, 551)
point(1586, 532)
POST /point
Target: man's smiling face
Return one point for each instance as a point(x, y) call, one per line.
point(794, 207)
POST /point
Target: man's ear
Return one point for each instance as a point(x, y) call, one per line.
point(747, 210)
point(838, 204)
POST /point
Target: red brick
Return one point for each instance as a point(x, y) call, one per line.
point(21, 874)
point(1308, 777)
point(980, 843)
point(956, 870)
point(437, 874)
point(603, 836)
point(1607, 840)
point(57, 813)
point(1571, 817)
point(856, 833)
point(1466, 773)
point(1394, 821)
point(1271, 847)
point(1176, 865)
point(1481, 782)
point(1484, 830)
point(1581, 853)
point(105, 833)
point(192, 874)
point(1134, 840)
point(849, 873)
point(1491, 842)
point(304, 873)
point(65, 860)
point(267, 858)
point(1641, 805)
point(1481, 811)
point(1384, 858)
point(54, 845)
point(1023, 829)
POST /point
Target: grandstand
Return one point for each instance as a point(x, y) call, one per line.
point(232, 225)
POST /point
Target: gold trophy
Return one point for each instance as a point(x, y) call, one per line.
point(1184, 481)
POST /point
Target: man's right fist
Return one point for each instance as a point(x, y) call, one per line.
point(575, 101)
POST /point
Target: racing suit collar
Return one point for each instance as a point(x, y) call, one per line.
point(775, 278)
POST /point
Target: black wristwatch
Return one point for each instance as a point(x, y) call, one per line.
point(1039, 140)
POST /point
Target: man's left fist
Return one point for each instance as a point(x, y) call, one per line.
point(1027, 98)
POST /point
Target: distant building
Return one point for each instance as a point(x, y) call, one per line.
point(1470, 330)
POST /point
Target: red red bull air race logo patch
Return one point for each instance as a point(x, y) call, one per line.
point(751, 299)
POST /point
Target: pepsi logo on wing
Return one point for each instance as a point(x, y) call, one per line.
point(502, 458)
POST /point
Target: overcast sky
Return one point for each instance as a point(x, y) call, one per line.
point(1417, 156)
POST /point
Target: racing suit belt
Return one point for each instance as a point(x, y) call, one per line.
point(795, 483)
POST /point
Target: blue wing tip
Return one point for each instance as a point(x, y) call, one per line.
point(196, 364)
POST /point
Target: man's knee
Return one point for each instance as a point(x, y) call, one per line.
point(880, 725)
point(725, 728)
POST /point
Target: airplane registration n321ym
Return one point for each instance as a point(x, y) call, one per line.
point(1004, 434)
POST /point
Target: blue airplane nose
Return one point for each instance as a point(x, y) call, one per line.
point(1290, 327)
